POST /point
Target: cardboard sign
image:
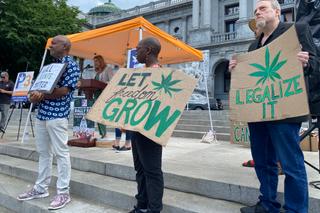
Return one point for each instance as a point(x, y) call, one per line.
point(48, 78)
point(22, 86)
point(239, 133)
point(149, 100)
point(268, 84)
point(82, 128)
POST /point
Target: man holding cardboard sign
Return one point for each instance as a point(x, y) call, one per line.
point(147, 155)
point(52, 128)
point(275, 140)
point(148, 101)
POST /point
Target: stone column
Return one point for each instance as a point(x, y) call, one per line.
point(166, 26)
point(215, 20)
point(243, 30)
point(243, 9)
point(195, 13)
point(206, 13)
point(185, 28)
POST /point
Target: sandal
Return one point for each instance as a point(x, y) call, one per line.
point(249, 163)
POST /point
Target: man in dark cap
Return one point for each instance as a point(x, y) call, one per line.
point(6, 88)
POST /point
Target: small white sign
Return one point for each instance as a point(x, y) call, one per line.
point(48, 78)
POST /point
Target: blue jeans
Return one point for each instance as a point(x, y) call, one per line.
point(271, 142)
point(119, 133)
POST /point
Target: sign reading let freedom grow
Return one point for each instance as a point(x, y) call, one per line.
point(268, 84)
point(149, 100)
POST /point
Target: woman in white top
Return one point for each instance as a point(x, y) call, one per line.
point(104, 74)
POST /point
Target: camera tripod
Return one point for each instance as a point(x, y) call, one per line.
point(20, 105)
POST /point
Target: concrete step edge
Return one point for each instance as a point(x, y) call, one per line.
point(12, 187)
point(111, 191)
point(200, 132)
point(196, 185)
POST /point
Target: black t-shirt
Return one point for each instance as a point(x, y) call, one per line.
point(6, 98)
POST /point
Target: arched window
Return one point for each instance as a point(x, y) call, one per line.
point(227, 80)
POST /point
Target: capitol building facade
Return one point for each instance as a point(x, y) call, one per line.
point(219, 27)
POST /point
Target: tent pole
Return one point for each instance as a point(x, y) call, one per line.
point(31, 105)
point(208, 101)
point(140, 33)
point(206, 73)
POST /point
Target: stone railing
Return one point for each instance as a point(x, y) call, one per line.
point(286, 2)
point(232, 14)
point(224, 37)
point(139, 10)
point(232, 11)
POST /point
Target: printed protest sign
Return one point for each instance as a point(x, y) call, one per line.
point(22, 86)
point(82, 128)
point(149, 100)
point(48, 78)
point(268, 84)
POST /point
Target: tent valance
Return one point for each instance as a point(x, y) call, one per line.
point(112, 42)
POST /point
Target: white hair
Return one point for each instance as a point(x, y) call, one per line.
point(274, 4)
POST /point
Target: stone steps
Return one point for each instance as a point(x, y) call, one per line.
point(192, 124)
point(12, 186)
point(202, 128)
point(109, 190)
point(215, 115)
point(5, 210)
point(203, 122)
point(211, 171)
point(199, 135)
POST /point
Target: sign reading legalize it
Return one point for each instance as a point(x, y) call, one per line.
point(268, 84)
point(149, 100)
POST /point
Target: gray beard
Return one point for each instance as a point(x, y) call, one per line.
point(261, 24)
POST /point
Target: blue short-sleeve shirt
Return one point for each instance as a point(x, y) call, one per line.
point(60, 108)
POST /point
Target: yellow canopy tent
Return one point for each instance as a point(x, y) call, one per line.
point(113, 42)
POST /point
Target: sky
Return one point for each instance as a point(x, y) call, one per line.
point(86, 5)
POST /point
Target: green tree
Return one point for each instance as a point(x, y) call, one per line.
point(25, 26)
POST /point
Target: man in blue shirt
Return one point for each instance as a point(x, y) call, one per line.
point(52, 128)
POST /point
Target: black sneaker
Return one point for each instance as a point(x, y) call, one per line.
point(136, 210)
point(2, 130)
point(115, 147)
point(258, 208)
point(123, 148)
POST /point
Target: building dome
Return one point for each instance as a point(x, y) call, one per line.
point(104, 9)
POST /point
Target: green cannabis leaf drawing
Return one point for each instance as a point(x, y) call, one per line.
point(270, 71)
point(166, 85)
